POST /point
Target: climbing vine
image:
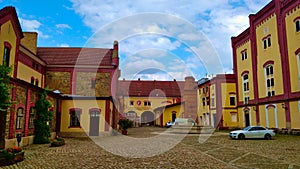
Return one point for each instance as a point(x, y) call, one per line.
point(5, 99)
point(44, 115)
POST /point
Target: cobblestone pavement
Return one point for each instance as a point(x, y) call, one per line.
point(218, 151)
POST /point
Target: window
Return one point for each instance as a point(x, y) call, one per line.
point(297, 24)
point(36, 82)
point(207, 101)
point(203, 101)
point(6, 56)
point(131, 103)
point(232, 100)
point(233, 117)
point(269, 78)
point(267, 42)
point(31, 117)
point(244, 54)
point(269, 70)
point(75, 117)
point(147, 103)
point(213, 101)
point(271, 93)
point(246, 100)
point(32, 80)
point(245, 83)
point(20, 115)
point(93, 83)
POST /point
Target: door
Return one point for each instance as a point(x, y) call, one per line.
point(2, 129)
point(94, 123)
point(173, 117)
point(247, 119)
point(215, 120)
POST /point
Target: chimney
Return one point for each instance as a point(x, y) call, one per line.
point(115, 54)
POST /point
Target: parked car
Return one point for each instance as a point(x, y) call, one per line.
point(252, 132)
point(184, 122)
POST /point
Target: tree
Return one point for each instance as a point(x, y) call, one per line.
point(44, 115)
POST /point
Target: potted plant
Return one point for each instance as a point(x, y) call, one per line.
point(11, 156)
point(58, 141)
point(125, 124)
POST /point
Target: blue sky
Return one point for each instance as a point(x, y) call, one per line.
point(158, 39)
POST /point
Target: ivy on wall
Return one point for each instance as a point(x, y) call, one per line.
point(5, 99)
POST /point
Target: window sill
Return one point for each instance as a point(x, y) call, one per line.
point(75, 127)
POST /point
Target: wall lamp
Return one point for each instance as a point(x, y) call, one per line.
point(254, 108)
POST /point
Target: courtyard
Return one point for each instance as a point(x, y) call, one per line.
point(214, 151)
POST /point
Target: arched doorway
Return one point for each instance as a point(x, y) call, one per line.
point(147, 118)
point(132, 115)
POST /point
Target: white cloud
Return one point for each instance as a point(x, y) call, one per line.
point(63, 26)
point(32, 26)
point(205, 27)
point(64, 45)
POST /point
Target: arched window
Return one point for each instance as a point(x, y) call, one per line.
point(31, 117)
point(297, 25)
point(6, 54)
point(32, 80)
point(245, 85)
point(20, 117)
point(269, 78)
point(36, 82)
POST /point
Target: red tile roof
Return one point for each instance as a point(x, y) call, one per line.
point(75, 56)
point(140, 88)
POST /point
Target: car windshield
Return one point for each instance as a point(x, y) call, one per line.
point(247, 128)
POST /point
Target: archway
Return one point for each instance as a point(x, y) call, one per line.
point(147, 118)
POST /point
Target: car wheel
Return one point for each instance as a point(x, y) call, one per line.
point(268, 137)
point(241, 136)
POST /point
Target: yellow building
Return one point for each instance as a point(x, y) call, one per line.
point(139, 99)
point(82, 84)
point(266, 66)
point(18, 52)
point(158, 102)
point(217, 101)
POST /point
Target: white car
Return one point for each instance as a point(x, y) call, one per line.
point(184, 122)
point(252, 132)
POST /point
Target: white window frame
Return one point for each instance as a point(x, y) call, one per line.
point(245, 92)
point(269, 77)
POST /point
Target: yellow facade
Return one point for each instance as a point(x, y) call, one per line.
point(85, 106)
point(295, 114)
point(272, 53)
point(293, 41)
point(229, 112)
point(272, 116)
point(244, 66)
point(168, 113)
point(139, 107)
point(25, 73)
point(8, 35)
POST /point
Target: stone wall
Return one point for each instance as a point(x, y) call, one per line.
point(58, 81)
point(84, 84)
